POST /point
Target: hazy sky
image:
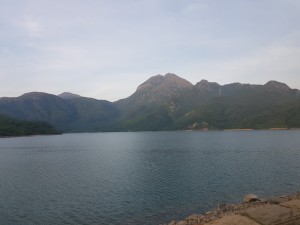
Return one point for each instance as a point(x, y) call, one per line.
point(105, 48)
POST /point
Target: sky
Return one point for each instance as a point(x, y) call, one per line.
point(104, 49)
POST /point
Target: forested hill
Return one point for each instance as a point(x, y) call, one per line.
point(14, 127)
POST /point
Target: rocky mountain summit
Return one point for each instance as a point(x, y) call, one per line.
point(165, 102)
point(209, 87)
point(68, 95)
point(277, 85)
point(158, 89)
point(167, 83)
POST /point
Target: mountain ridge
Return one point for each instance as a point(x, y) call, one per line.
point(165, 102)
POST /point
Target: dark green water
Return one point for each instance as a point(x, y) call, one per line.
point(142, 177)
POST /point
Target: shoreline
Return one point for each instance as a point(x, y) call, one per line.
point(31, 135)
point(223, 211)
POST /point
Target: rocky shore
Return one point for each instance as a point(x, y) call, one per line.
point(250, 201)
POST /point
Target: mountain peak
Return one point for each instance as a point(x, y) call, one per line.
point(160, 82)
point(171, 75)
point(159, 89)
point(68, 95)
point(206, 86)
point(277, 85)
point(206, 83)
point(34, 95)
point(155, 80)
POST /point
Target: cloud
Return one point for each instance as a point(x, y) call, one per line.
point(97, 45)
point(33, 27)
point(195, 7)
point(278, 61)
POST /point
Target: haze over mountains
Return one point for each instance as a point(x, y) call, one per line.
point(165, 103)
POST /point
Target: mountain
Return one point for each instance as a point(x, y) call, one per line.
point(37, 106)
point(165, 102)
point(237, 105)
point(71, 114)
point(156, 91)
point(209, 105)
point(68, 95)
point(13, 127)
point(92, 115)
point(152, 101)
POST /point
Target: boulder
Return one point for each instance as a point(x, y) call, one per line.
point(194, 218)
point(250, 198)
point(173, 222)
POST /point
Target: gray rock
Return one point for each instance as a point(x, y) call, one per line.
point(250, 198)
point(263, 200)
point(193, 219)
point(173, 222)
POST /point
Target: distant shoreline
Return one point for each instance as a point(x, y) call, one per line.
point(32, 135)
point(243, 129)
point(200, 130)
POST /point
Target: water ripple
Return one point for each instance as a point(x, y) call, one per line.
point(140, 178)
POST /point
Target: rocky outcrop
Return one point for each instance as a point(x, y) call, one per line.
point(68, 95)
point(277, 85)
point(159, 89)
point(224, 210)
point(250, 198)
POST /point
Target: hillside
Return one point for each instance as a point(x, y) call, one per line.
point(165, 102)
point(67, 114)
point(151, 107)
point(208, 105)
point(13, 127)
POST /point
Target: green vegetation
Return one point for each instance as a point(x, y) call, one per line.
point(211, 106)
point(161, 103)
point(13, 127)
point(69, 115)
point(221, 115)
point(145, 119)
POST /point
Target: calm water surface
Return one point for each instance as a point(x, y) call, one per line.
point(142, 177)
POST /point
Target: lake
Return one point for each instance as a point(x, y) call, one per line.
point(140, 177)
